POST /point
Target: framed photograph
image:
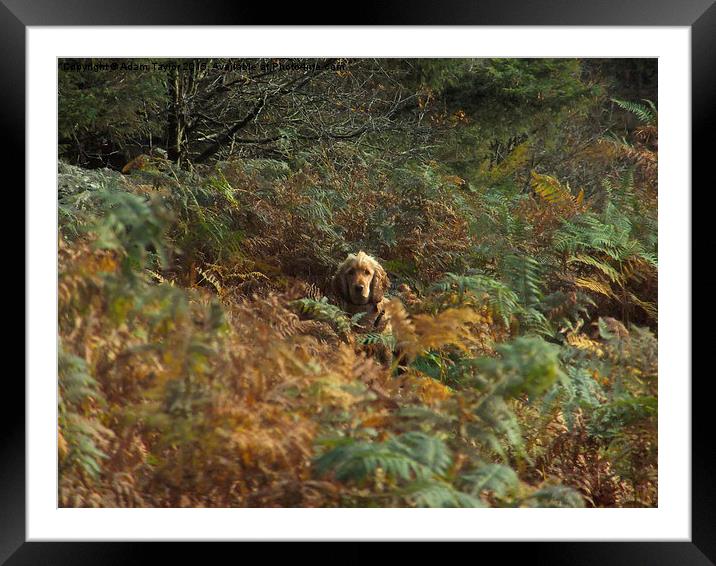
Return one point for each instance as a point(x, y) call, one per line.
point(411, 279)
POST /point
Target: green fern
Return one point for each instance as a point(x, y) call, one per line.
point(646, 113)
point(524, 274)
point(498, 479)
point(413, 455)
point(84, 436)
point(609, 420)
point(502, 300)
point(612, 251)
point(435, 493)
point(576, 391)
point(555, 496)
point(497, 427)
point(374, 338)
point(324, 311)
point(526, 365)
point(131, 224)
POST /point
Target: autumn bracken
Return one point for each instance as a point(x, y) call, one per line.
point(205, 362)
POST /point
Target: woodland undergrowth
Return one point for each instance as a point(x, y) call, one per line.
point(204, 362)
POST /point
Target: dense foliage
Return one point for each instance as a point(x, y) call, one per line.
point(203, 360)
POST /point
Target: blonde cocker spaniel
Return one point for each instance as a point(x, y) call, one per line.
point(361, 282)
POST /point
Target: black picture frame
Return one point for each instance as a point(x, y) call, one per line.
point(17, 15)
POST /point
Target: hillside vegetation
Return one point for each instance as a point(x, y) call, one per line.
point(203, 360)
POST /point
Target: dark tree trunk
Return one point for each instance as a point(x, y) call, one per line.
point(176, 120)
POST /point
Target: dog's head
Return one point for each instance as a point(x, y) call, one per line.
point(360, 280)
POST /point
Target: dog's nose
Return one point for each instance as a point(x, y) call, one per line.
point(359, 288)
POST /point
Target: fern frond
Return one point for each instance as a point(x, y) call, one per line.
point(550, 189)
point(613, 275)
point(437, 494)
point(502, 300)
point(409, 456)
point(524, 274)
point(595, 286)
point(646, 113)
point(207, 276)
point(84, 439)
point(373, 338)
point(496, 478)
point(555, 496)
point(324, 311)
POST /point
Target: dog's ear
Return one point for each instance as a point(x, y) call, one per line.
point(340, 285)
point(379, 284)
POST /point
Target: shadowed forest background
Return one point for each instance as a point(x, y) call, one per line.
point(204, 206)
